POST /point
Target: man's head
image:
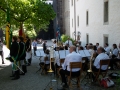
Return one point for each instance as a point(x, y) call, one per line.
point(14, 38)
point(106, 44)
point(72, 48)
point(114, 46)
point(97, 44)
point(100, 50)
point(20, 39)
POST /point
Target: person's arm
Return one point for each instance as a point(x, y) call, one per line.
point(64, 65)
point(96, 62)
point(66, 42)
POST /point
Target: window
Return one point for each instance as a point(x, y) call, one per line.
point(87, 18)
point(87, 38)
point(78, 21)
point(105, 38)
point(72, 22)
point(106, 11)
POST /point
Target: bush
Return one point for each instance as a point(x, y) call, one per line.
point(4, 42)
point(65, 38)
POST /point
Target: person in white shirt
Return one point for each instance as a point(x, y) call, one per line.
point(69, 42)
point(47, 62)
point(107, 48)
point(72, 57)
point(1, 51)
point(101, 56)
point(55, 45)
point(113, 60)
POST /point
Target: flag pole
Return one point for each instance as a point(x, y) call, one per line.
point(8, 27)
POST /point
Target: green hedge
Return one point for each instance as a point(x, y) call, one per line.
point(65, 38)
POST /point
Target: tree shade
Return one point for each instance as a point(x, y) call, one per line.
point(32, 13)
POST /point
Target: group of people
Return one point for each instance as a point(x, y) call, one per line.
point(101, 53)
point(19, 52)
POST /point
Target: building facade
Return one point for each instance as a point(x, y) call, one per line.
point(58, 21)
point(95, 21)
point(66, 17)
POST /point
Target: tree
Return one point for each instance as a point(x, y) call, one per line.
point(29, 14)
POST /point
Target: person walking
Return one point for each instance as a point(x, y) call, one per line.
point(34, 44)
point(44, 46)
point(28, 50)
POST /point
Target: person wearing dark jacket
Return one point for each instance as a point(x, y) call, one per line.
point(28, 50)
point(22, 55)
point(14, 51)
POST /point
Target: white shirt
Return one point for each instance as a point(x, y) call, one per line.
point(1, 46)
point(119, 54)
point(57, 60)
point(101, 56)
point(54, 45)
point(107, 49)
point(91, 51)
point(72, 57)
point(34, 44)
point(69, 42)
point(48, 61)
point(115, 52)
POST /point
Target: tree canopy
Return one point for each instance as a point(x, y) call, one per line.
point(31, 13)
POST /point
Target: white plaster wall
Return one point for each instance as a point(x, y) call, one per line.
point(72, 27)
point(96, 27)
point(67, 17)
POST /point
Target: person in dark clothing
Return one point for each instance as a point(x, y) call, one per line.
point(14, 51)
point(22, 55)
point(114, 56)
point(44, 46)
point(28, 50)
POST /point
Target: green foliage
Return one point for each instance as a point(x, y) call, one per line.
point(65, 38)
point(32, 13)
point(118, 83)
point(4, 42)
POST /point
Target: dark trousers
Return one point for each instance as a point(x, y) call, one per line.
point(65, 72)
point(34, 48)
point(114, 62)
point(1, 54)
point(94, 69)
point(46, 66)
point(56, 69)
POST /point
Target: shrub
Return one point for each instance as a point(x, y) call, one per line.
point(65, 38)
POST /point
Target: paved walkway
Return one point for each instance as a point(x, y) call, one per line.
point(33, 80)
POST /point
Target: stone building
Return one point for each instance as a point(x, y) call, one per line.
point(95, 21)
